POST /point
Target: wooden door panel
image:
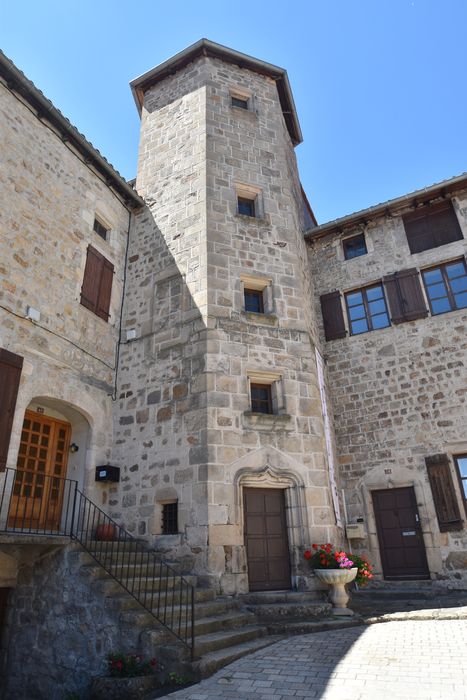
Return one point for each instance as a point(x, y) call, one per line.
point(266, 539)
point(37, 498)
point(401, 541)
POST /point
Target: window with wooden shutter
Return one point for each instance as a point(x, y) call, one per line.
point(10, 374)
point(97, 283)
point(333, 318)
point(432, 226)
point(404, 293)
point(444, 495)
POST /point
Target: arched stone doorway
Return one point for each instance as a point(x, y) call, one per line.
point(50, 467)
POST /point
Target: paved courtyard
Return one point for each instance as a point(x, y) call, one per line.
point(410, 659)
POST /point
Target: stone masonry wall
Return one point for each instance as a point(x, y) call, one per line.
point(160, 423)
point(399, 393)
point(252, 148)
point(52, 198)
point(183, 427)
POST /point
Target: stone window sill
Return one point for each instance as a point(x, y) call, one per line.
point(262, 319)
point(253, 219)
point(267, 421)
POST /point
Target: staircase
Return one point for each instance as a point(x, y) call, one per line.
point(225, 627)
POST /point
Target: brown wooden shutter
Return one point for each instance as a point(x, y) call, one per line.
point(105, 290)
point(92, 279)
point(331, 308)
point(10, 373)
point(97, 283)
point(432, 226)
point(444, 496)
point(405, 296)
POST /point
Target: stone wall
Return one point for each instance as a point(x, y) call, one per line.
point(184, 428)
point(60, 628)
point(399, 393)
point(53, 197)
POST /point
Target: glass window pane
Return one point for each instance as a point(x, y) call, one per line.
point(377, 307)
point(435, 291)
point(461, 300)
point(464, 484)
point(462, 463)
point(440, 306)
point(455, 269)
point(380, 321)
point(354, 247)
point(459, 284)
point(359, 327)
point(374, 293)
point(431, 276)
point(356, 312)
point(354, 298)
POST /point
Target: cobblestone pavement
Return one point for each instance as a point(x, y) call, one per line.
point(410, 659)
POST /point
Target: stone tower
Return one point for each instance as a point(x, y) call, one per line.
point(219, 406)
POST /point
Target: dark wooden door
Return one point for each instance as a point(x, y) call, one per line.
point(36, 501)
point(266, 539)
point(400, 537)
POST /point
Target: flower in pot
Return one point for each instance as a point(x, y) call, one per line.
point(337, 568)
point(106, 532)
point(129, 677)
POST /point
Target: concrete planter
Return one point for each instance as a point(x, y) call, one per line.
point(337, 579)
point(136, 688)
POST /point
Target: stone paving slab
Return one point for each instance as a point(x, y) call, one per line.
point(409, 660)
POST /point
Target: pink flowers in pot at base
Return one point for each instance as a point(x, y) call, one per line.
point(326, 556)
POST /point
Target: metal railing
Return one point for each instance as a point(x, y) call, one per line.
point(49, 505)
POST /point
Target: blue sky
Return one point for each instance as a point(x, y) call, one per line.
point(379, 85)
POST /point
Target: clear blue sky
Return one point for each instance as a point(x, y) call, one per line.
point(380, 85)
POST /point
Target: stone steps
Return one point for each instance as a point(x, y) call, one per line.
point(214, 660)
point(214, 641)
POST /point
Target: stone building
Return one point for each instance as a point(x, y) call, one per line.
point(171, 330)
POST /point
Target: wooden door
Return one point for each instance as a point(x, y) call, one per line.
point(36, 502)
point(399, 533)
point(266, 539)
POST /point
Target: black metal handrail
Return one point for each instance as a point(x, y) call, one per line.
point(36, 504)
point(157, 587)
point(32, 503)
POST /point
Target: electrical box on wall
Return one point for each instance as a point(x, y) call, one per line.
point(355, 531)
point(107, 473)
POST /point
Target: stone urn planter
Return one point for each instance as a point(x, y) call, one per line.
point(136, 688)
point(337, 579)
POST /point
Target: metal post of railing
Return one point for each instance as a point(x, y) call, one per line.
point(73, 509)
point(192, 623)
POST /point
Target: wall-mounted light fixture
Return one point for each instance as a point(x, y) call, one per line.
point(74, 447)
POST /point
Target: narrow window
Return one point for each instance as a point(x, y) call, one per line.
point(254, 301)
point(431, 226)
point(246, 206)
point(446, 287)
point(261, 398)
point(170, 518)
point(367, 310)
point(97, 283)
point(242, 103)
point(354, 247)
point(100, 229)
point(461, 464)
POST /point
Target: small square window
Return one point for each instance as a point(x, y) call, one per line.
point(241, 102)
point(246, 207)
point(354, 247)
point(170, 518)
point(254, 301)
point(100, 229)
point(261, 398)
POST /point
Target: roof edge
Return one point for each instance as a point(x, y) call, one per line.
point(17, 81)
point(205, 47)
point(413, 198)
